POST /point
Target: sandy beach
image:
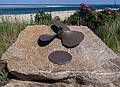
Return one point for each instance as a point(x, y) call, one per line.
point(28, 17)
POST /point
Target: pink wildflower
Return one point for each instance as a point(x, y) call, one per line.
point(108, 10)
point(85, 7)
point(82, 4)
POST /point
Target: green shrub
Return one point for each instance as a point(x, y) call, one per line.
point(88, 16)
point(43, 18)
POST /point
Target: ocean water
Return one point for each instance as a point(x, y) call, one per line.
point(33, 8)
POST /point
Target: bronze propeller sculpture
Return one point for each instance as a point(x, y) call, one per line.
point(68, 38)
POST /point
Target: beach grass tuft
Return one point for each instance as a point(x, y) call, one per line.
point(9, 32)
point(110, 33)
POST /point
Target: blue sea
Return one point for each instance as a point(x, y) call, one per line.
point(33, 8)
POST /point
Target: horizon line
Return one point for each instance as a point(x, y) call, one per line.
point(58, 3)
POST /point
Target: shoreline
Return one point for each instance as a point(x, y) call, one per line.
point(28, 17)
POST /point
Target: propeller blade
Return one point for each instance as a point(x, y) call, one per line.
point(65, 27)
point(71, 38)
point(58, 26)
point(54, 28)
point(45, 39)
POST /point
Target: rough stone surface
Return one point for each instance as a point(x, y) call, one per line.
point(92, 61)
point(18, 83)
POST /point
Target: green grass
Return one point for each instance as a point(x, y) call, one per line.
point(3, 75)
point(8, 33)
point(110, 33)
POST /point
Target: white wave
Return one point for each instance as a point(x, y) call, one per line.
point(55, 6)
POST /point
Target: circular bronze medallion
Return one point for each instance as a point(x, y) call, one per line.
point(60, 57)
